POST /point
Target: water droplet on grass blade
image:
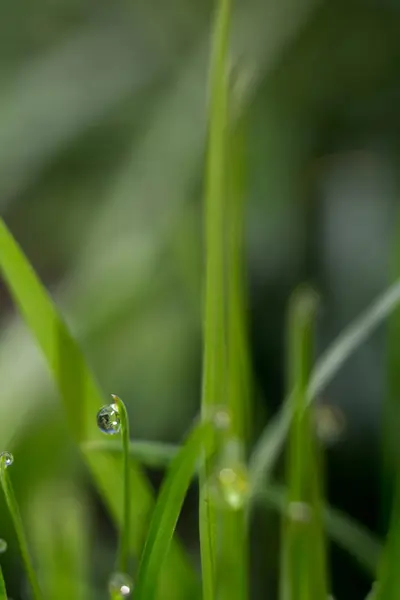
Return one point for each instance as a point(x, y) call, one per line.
point(120, 585)
point(109, 419)
point(6, 459)
point(3, 545)
point(300, 512)
point(330, 423)
point(230, 481)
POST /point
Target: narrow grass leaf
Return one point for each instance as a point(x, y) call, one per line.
point(303, 563)
point(15, 514)
point(168, 507)
point(271, 441)
point(81, 398)
point(214, 315)
point(352, 537)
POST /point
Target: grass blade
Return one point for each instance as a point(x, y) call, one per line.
point(360, 543)
point(271, 441)
point(303, 566)
point(157, 455)
point(168, 507)
point(58, 522)
point(13, 508)
point(215, 195)
point(81, 398)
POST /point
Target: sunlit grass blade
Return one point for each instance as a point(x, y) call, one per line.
point(303, 567)
point(352, 537)
point(3, 591)
point(168, 507)
point(271, 441)
point(15, 514)
point(58, 522)
point(81, 399)
point(214, 359)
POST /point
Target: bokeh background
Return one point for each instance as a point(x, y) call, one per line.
point(102, 136)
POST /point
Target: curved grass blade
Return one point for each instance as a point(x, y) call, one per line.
point(81, 400)
point(360, 543)
point(13, 508)
point(271, 442)
point(214, 358)
point(168, 507)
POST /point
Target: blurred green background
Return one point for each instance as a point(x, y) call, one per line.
point(102, 132)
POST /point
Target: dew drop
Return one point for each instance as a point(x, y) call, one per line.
point(229, 482)
point(299, 512)
point(120, 585)
point(109, 420)
point(6, 459)
point(233, 485)
point(330, 423)
point(3, 546)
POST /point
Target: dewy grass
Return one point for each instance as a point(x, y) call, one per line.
point(303, 564)
point(5, 462)
point(214, 357)
point(81, 398)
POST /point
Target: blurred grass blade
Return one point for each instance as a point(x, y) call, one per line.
point(168, 507)
point(233, 553)
point(214, 359)
point(271, 441)
point(388, 584)
point(60, 535)
point(346, 533)
point(156, 455)
point(15, 514)
point(3, 592)
point(303, 566)
point(81, 396)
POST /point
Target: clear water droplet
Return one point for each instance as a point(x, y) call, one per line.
point(6, 459)
point(3, 545)
point(120, 585)
point(109, 419)
point(221, 418)
point(300, 512)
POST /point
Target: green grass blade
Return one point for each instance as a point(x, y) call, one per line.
point(214, 318)
point(3, 591)
point(352, 537)
point(58, 522)
point(81, 400)
point(157, 455)
point(13, 508)
point(303, 567)
point(271, 441)
point(168, 507)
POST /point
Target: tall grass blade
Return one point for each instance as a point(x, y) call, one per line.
point(168, 507)
point(303, 567)
point(271, 441)
point(15, 514)
point(214, 359)
point(352, 537)
point(81, 399)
